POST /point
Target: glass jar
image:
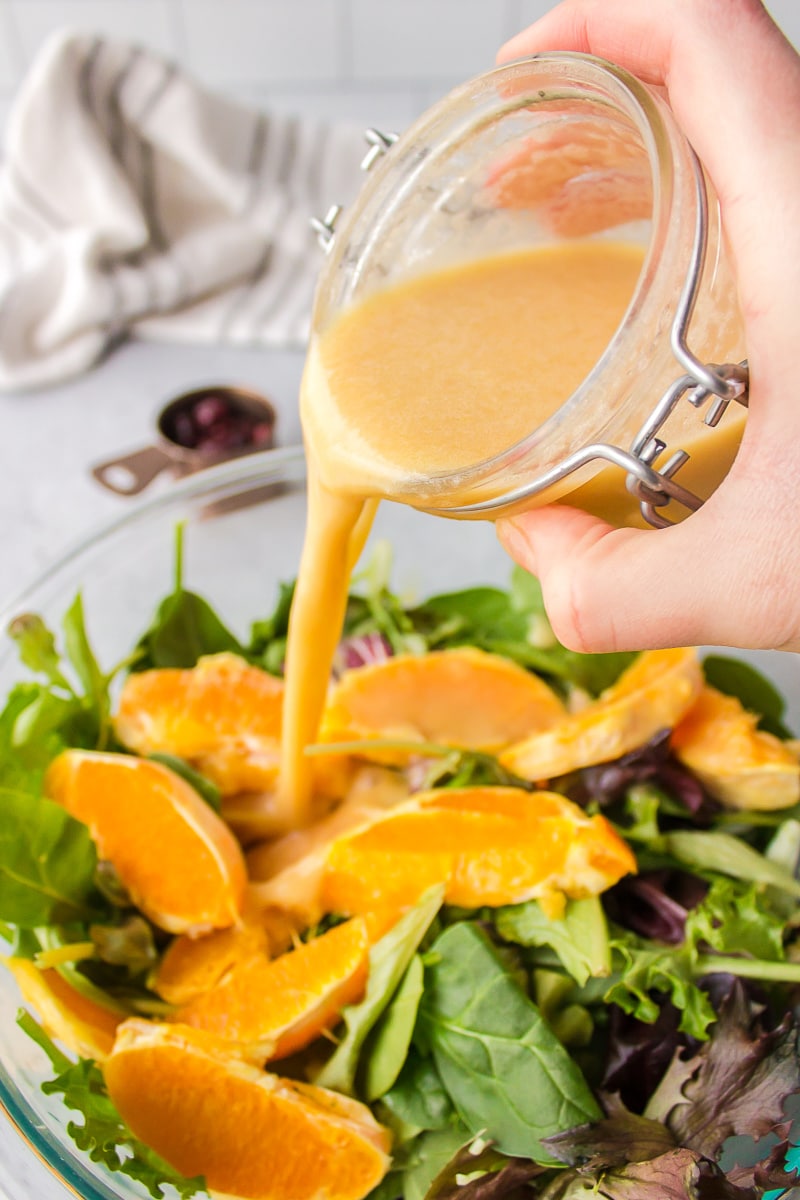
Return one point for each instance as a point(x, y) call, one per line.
point(544, 151)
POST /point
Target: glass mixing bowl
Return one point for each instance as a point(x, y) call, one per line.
point(244, 524)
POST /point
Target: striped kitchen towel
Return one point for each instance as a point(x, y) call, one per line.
point(135, 202)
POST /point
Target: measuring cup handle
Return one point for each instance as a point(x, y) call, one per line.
point(131, 473)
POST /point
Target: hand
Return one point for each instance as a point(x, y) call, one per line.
point(730, 573)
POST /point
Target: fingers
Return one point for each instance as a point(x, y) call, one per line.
point(624, 589)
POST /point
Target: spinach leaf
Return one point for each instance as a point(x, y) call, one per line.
point(103, 1134)
point(184, 629)
point(267, 645)
point(505, 1071)
point(388, 1044)
point(47, 863)
point(418, 1097)
point(579, 938)
point(389, 959)
point(28, 742)
point(757, 694)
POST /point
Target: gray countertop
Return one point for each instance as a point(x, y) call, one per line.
point(49, 439)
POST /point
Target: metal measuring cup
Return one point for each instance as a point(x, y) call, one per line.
point(129, 474)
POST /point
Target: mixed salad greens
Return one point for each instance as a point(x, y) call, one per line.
point(613, 1052)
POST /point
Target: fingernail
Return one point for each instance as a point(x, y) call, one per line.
point(515, 540)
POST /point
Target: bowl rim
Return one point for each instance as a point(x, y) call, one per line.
point(230, 477)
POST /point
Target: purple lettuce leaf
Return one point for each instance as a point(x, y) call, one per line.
point(655, 904)
point(620, 1139)
point(652, 763)
point(360, 650)
point(638, 1054)
point(485, 1176)
point(736, 1083)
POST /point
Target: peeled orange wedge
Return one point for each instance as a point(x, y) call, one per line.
point(180, 863)
point(273, 1007)
point(84, 1027)
point(223, 716)
point(462, 697)
point(655, 692)
point(193, 965)
point(249, 1133)
point(740, 765)
point(488, 846)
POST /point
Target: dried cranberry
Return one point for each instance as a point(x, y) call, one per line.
point(208, 410)
point(216, 424)
point(184, 430)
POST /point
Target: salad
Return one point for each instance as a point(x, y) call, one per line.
point(539, 942)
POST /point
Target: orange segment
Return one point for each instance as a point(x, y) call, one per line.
point(271, 1008)
point(251, 1134)
point(740, 765)
point(655, 692)
point(463, 697)
point(84, 1027)
point(486, 845)
point(192, 965)
point(288, 871)
point(180, 863)
point(223, 716)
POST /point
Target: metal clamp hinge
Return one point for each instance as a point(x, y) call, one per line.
point(325, 227)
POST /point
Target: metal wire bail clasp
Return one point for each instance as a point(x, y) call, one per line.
point(325, 227)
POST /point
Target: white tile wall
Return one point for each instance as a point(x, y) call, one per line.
point(369, 61)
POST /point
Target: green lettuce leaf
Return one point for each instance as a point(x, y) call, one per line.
point(47, 863)
point(102, 1134)
point(507, 1074)
point(387, 1048)
point(579, 938)
point(389, 960)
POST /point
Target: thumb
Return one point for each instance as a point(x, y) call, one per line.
point(611, 589)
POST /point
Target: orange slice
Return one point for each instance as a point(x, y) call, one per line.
point(287, 872)
point(740, 765)
point(193, 965)
point(180, 863)
point(655, 692)
point(84, 1027)
point(488, 846)
point(463, 697)
point(223, 716)
point(274, 1007)
point(251, 1134)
